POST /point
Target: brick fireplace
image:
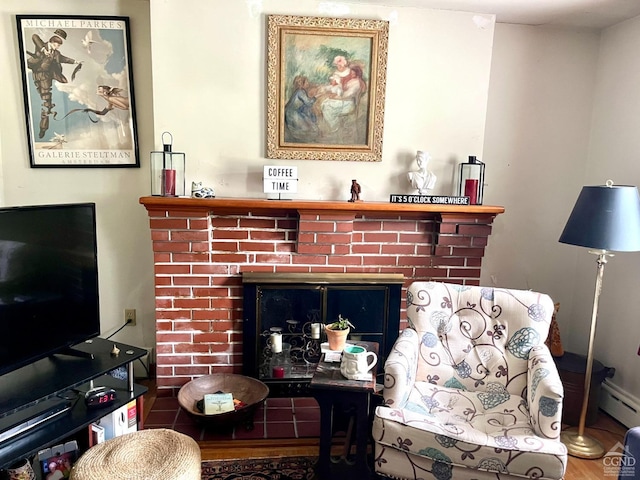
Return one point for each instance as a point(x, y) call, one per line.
point(202, 246)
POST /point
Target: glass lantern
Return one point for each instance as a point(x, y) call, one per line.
point(167, 170)
point(471, 180)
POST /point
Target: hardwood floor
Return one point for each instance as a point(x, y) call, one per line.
point(606, 429)
point(609, 431)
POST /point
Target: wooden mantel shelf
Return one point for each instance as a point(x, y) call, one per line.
point(236, 205)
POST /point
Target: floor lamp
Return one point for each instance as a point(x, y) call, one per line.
point(605, 218)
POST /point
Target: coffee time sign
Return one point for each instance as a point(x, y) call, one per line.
point(280, 179)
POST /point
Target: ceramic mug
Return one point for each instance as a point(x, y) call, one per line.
point(355, 361)
point(21, 471)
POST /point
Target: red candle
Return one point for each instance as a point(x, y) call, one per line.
point(277, 372)
point(471, 190)
point(169, 178)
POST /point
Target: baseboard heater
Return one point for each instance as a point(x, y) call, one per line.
point(621, 405)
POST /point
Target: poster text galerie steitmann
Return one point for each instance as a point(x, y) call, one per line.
point(78, 91)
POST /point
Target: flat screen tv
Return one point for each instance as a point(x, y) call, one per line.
point(48, 281)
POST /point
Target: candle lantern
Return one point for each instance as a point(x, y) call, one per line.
point(167, 170)
point(471, 180)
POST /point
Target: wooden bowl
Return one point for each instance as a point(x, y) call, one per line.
point(246, 389)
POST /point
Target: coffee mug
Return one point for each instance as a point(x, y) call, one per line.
point(21, 471)
point(355, 361)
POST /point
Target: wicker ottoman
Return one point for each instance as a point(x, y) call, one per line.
point(145, 455)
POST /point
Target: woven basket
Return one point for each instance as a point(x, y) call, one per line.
point(144, 455)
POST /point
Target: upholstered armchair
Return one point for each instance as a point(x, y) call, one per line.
point(470, 389)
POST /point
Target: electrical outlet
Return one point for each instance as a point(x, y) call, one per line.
point(130, 316)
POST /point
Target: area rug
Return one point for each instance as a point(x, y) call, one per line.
point(276, 468)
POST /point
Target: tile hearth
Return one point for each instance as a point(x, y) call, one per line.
point(276, 418)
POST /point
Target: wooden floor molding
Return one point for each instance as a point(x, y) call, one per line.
point(233, 449)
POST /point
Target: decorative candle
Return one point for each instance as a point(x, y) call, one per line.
point(169, 179)
point(471, 190)
point(167, 170)
point(277, 372)
point(315, 330)
point(276, 342)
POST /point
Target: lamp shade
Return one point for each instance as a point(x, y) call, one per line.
point(605, 217)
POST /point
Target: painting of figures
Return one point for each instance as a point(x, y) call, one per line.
point(326, 84)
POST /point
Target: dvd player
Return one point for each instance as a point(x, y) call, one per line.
point(32, 417)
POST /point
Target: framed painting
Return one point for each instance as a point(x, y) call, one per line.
point(326, 80)
point(78, 91)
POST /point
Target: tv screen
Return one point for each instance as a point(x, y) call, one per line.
point(48, 281)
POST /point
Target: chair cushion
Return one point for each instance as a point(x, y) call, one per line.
point(484, 430)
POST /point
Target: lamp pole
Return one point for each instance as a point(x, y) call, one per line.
point(578, 444)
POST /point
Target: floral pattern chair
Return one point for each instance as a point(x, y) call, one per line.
point(470, 389)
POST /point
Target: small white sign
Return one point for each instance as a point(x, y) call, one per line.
point(280, 179)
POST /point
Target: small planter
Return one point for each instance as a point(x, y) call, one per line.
point(336, 338)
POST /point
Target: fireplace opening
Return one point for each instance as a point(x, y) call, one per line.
point(284, 314)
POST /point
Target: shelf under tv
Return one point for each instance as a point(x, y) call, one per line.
point(32, 390)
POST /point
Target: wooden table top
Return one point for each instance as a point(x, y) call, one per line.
point(328, 374)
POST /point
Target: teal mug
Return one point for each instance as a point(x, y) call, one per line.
point(356, 361)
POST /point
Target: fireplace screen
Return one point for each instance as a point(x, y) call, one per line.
point(284, 317)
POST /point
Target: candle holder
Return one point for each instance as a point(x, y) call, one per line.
point(471, 180)
point(280, 362)
point(167, 170)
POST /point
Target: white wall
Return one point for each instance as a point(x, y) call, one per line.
point(209, 92)
point(615, 154)
point(124, 252)
point(564, 111)
point(536, 146)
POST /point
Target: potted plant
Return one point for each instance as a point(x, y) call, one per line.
point(337, 332)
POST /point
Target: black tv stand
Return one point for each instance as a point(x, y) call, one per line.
point(73, 352)
point(26, 394)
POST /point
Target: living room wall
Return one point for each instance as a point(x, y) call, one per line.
point(209, 76)
point(124, 254)
point(537, 144)
point(563, 112)
point(614, 153)
point(522, 100)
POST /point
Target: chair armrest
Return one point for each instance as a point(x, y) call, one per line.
point(544, 393)
point(400, 369)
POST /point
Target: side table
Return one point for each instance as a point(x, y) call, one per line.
point(572, 368)
point(338, 395)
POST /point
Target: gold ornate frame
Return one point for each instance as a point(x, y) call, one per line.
point(316, 122)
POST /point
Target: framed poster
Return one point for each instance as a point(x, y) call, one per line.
point(78, 91)
point(326, 80)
